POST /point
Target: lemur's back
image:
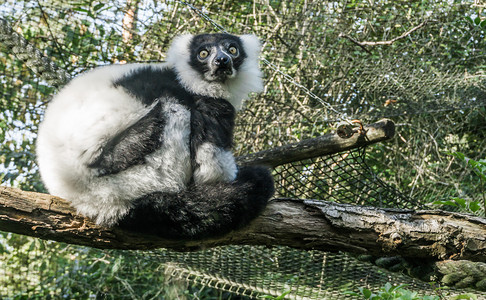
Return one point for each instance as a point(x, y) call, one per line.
point(85, 114)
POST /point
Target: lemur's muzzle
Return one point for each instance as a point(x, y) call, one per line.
point(223, 63)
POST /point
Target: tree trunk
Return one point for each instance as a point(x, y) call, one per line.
point(129, 20)
point(305, 224)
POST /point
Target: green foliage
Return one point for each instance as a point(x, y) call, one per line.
point(398, 292)
point(478, 168)
point(467, 296)
point(390, 292)
point(36, 269)
point(280, 297)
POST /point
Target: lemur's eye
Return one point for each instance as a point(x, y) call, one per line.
point(203, 54)
point(233, 50)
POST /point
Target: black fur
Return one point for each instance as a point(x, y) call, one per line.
point(212, 120)
point(129, 147)
point(150, 83)
point(203, 211)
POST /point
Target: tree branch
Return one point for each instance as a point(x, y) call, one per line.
point(298, 223)
point(305, 224)
point(389, 42)
point(323, 145)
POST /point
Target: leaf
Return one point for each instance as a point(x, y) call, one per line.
point(447, 202)
point(388, 287)
point(400, 286)
point(458, 155)
point(461, 202)
point(474, 206)
point(407, 295)
point(481, 166)
point(79, 9)
point(281, 297)
point(468, 296)
point(366, 292)
point(98, 6)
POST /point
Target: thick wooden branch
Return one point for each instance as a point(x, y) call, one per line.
point(323, 145)
point(306, 224)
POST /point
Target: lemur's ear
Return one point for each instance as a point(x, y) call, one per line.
point(252, 45)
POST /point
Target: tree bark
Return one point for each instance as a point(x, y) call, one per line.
point(129, 20)
point(305, 224)
point(323, 145)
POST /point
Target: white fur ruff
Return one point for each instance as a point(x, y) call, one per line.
point(247, 80)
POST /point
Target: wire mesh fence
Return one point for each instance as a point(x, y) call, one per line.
point(342, 177)
point(242, 271)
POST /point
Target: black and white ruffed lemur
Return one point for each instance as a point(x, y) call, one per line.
point(146, 147)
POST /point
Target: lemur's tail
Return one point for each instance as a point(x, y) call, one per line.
point(203, 211)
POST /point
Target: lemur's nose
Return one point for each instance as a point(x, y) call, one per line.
point(222, 60)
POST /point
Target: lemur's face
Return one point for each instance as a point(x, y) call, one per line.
point(217, 57)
